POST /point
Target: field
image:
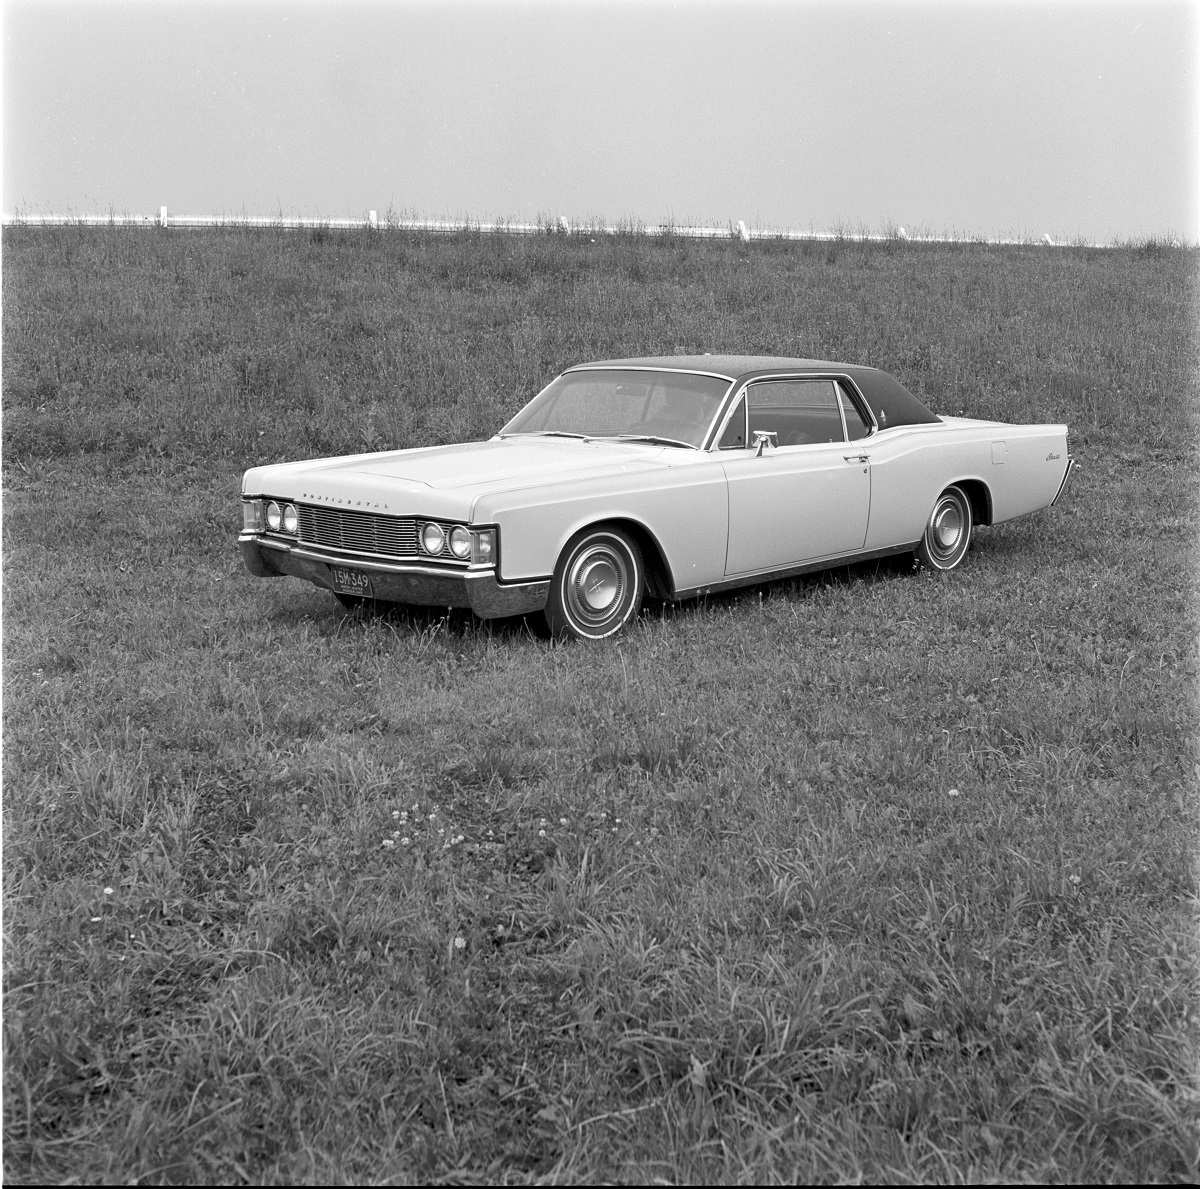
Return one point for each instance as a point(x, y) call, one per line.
point(876, 875)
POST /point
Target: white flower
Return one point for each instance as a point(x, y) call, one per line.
point(108, 891)
point(395, 813)
point(460, 943)
point(562, 821)
point(953, 793)
point(405, 841)
point(541, 833)
point(389, 842)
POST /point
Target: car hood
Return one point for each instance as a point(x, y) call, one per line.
point(404, 480)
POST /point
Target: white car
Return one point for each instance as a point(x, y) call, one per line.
point(677, 476)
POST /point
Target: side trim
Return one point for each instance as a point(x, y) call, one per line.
point(829, 563)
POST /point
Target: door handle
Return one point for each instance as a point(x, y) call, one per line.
point(857, 457)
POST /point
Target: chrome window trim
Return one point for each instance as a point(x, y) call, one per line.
point(608, 367)
point(725, 423)
point(860, 402)
point(676, 371)
point(837, 377)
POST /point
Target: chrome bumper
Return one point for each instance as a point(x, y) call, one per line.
point(399, 582)
point(1072, 467)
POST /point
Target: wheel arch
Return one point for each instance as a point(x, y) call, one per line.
point(660, 583)
point(979, 496)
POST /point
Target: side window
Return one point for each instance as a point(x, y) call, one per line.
point(799, 411)
point(734, 437)
point(856, 427)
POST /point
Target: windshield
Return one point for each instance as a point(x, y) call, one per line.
point(674, 408)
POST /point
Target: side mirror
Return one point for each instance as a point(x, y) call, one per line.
point(761, 438)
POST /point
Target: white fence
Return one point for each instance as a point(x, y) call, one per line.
point(562, 225)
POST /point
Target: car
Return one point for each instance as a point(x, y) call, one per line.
point(670, 477)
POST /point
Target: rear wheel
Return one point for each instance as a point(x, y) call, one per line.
point(948, 533)
point(597, 586)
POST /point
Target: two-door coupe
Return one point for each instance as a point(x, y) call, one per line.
point(676, 476)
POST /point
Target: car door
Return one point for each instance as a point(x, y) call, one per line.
point(804, 499)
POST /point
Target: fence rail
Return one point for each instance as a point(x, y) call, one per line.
point(737, 230)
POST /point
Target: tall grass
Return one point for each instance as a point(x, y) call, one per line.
point(873, 875)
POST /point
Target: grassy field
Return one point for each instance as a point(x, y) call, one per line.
point(874, 875)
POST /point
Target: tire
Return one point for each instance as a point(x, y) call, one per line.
point(948, 533)
point(597, 587)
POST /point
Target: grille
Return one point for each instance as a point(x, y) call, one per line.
point(358, 532)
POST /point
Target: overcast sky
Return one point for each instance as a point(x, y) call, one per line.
point(1072, 118)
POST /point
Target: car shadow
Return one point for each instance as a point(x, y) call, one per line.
point(461, 623)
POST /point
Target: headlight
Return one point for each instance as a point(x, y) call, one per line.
point(291, 518)
point(433, 539)
point(274, 517)
point(252, 520)
point(460, 541)
point(483, 546)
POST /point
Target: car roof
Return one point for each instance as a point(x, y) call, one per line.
point(890, 401)
point(732, 367)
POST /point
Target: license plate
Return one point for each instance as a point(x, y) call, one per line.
point(351, 582)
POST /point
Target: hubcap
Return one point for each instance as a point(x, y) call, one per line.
point(947, 526)
point(597, 583)
point(948, 531)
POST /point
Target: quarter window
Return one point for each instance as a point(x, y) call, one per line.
point(856, 427)
point(799, 411)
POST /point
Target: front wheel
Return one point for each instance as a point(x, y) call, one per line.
point(948, 533)
point(597, 586)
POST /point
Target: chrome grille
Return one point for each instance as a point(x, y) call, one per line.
point(358, 532)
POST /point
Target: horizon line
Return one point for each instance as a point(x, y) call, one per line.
point(561, 225)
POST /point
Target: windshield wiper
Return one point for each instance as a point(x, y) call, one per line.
point(653, 439)
point(546, 433)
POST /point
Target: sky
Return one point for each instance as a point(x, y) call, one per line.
point(1064, 117)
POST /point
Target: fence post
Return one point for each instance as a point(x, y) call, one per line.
point(743, 234)
point(162, 216)
point(373, 219)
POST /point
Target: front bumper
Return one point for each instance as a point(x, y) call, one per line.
point(399, 582)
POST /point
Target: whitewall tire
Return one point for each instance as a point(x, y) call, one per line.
point(948, 533)
point(598, 585)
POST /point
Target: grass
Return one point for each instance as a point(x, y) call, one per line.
point(872, 876)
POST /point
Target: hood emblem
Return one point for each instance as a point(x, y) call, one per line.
point(374, 505)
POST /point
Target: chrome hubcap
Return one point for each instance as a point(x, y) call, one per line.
point(947, 525)
point(949, 530)
point(597, 584)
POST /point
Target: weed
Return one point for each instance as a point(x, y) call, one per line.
point(869, 875)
